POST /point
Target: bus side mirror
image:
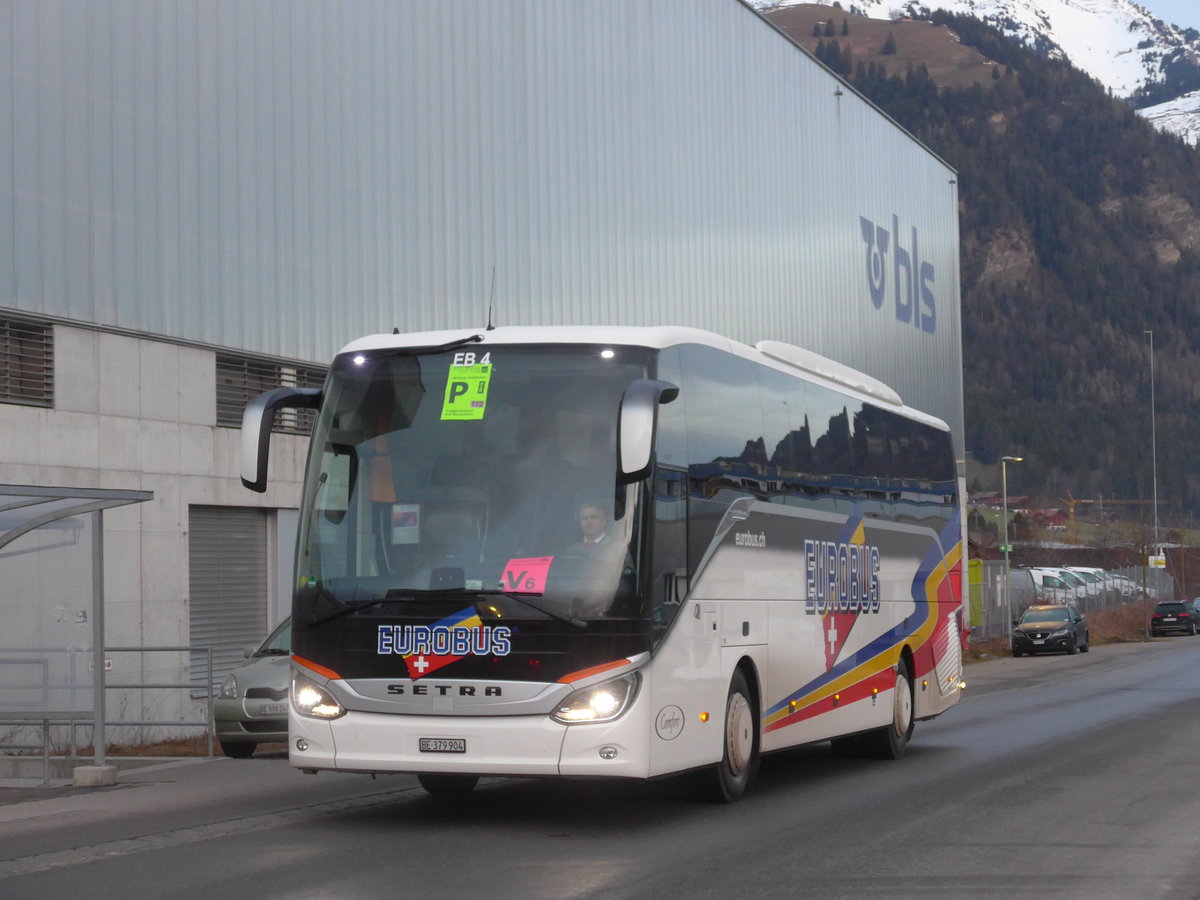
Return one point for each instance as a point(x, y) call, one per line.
point(635, 426)
point(257, 419)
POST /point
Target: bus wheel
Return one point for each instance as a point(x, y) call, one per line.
point(446, 785)
point(891, 741)
point(739, 762)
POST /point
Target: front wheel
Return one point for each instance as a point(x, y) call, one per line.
point(1072, 647)
point(448, 785)
point(739, 762)
point(891, 741)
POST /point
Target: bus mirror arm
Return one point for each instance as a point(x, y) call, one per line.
point(257, 420)
point(635, 434)
point(635, 427)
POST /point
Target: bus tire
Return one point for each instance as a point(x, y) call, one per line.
point(739, 761)
point(891, 741)
point(447, 785)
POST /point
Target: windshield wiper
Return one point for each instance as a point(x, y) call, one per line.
point(521, 598)
point(399, 595)
point(345, 609)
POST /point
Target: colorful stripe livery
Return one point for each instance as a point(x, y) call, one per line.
point(936, 593)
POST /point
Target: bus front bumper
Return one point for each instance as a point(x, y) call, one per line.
point(476, 745)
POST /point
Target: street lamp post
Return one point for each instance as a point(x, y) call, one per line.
point(1004, 461)
point(1153, 444)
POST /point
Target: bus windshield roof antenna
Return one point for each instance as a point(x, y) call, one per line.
point(491, 301)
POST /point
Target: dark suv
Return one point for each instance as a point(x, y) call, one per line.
point(1043, 629)
point(1171, 617)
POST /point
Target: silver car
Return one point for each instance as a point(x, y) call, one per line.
point(251, 707)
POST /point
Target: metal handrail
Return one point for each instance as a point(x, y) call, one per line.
point(46, 718)
point(208, 654)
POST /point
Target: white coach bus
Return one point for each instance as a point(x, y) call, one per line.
point(778, 558)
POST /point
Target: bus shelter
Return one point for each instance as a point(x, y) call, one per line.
point(52, 645)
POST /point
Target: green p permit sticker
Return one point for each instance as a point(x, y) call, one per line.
point(466, 391)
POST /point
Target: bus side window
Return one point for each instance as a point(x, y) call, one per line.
point(670, 543)
point(726, 448)
point(668, 571)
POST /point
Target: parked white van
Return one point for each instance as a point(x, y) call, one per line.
point(1099, 581)
point(1054, 586)
point(1084, 588)
point(1046, 585)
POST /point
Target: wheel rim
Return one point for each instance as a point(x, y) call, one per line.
point(901, 706)
point(739, 734)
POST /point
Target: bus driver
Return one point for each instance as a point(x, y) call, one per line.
point(593, 523)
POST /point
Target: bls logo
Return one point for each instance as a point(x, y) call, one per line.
point(911, 278)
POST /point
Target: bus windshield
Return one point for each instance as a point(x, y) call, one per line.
point(485, 472)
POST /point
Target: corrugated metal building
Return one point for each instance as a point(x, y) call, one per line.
point(201, 199)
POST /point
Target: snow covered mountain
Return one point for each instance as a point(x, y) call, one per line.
point(1120, 44)
point(1180, 116)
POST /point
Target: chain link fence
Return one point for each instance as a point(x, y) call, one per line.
point(991, 612)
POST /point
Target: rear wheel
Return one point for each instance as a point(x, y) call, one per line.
point(448, 785)
point(891, 741)
point(739, 763)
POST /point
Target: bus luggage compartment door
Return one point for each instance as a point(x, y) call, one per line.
point(744, 623)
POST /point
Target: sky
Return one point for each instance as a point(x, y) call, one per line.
point(1184, 13)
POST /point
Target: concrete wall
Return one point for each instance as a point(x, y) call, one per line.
point(139, 414)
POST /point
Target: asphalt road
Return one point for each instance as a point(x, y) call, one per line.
point(1056, 776)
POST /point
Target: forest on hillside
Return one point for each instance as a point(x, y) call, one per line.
point(1080, 233)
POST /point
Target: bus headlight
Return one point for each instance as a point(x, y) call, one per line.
point(600, 702)
point(313, 701)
